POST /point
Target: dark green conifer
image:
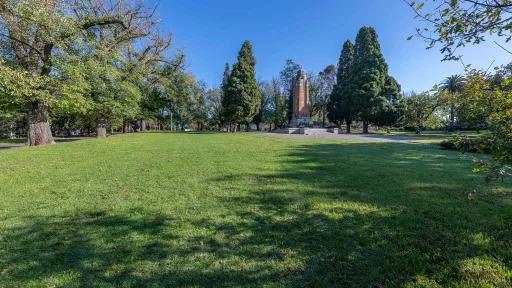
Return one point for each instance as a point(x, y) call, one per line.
point(340, 107)
point(242, 95)
point(369, 74)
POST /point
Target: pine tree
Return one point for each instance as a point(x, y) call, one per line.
point(224, 99)
point(370, 72)
point(242, 95)
point(340, 107)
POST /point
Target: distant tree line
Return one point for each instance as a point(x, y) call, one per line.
point(356, 92)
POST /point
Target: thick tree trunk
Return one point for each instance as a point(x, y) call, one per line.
point(348, 128)
point(68, 132)
point(365, 127)
point(143, 125)
point(39, 132)
point(127, 127)
point(323, 120)
point(101, 128)
point(258, 126)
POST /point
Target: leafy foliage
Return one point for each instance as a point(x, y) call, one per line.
point(492, 97)
point(420, 108)
point(77, 59)
point(454, 24)
point(321, 88)
point(453, 86)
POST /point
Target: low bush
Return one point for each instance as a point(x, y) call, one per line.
point(464, 143)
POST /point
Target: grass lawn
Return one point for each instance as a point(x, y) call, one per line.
point(13, 141)
point(428, 137)
point(209, 210)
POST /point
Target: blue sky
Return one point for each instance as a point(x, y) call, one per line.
point(310, 32)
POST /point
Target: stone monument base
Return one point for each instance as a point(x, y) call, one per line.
point(306, 131)
point(303, 122)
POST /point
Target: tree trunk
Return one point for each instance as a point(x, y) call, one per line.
point(452, 118)
point(127, 127)
point(239, 127)
point(11, 131)
point(323, 119)
point(143, 125)
point(39, 132)
point(258, 126)
point(365, 127)
point(348, 127)
point(101, 128)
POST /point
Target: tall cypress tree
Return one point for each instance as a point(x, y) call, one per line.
point(370, 72)
point(225, 78)
point(224, 99)
point(242, 93)
point(340, 107)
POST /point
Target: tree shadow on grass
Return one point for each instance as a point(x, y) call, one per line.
point(331, 215)
point(90, 249)
point(369, 215)
point(97, 249)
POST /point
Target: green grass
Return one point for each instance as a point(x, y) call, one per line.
point(13, 141)
point(427, 137)
point(176, 210)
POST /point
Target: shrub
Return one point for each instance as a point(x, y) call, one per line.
point(464, 143)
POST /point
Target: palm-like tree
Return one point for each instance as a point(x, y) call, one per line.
point(454, 85)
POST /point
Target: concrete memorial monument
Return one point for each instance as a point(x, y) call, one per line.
point(301, 102)
point(301, 122)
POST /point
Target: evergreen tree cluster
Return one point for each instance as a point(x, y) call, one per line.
point(241, 100)
point(364, 90)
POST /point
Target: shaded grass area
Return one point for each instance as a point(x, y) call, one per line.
point(427, 137)
point(24, 140)
point(180, 210)
point(13, 141)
